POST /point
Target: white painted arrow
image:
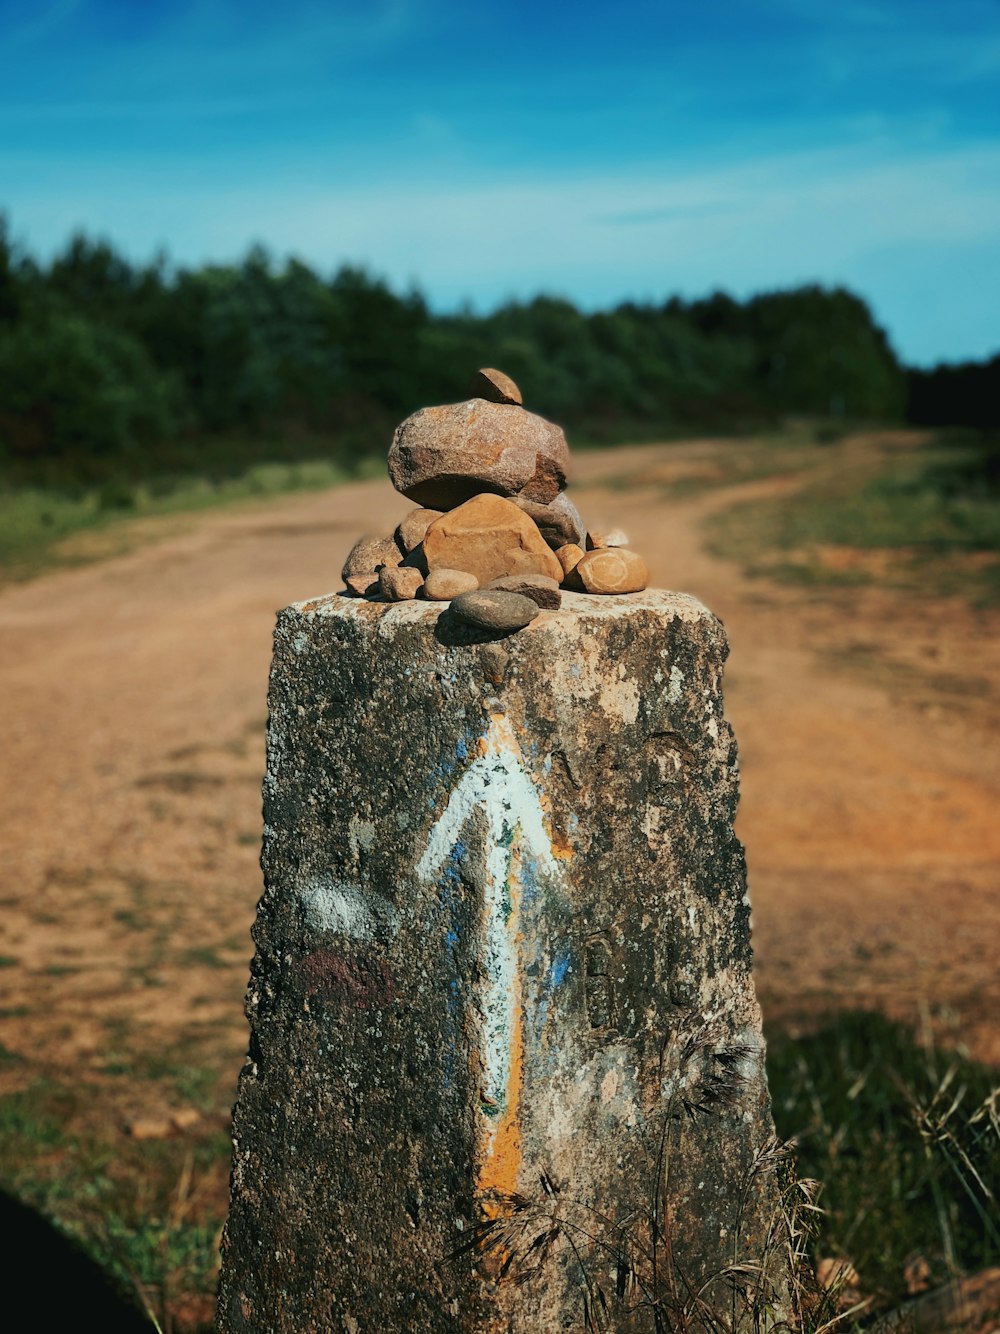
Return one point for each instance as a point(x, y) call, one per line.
point(496, 784)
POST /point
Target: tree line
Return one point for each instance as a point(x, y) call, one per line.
point(111, 369)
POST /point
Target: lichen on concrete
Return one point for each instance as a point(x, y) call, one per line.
point(505, 1063)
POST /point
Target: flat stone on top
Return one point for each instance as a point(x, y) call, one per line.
point(494, 386)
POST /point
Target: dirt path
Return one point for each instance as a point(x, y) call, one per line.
point(134, 706)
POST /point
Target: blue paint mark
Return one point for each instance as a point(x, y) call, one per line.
point(529, 882)
point(462, 750)
point(561, 965)
point(449, 888)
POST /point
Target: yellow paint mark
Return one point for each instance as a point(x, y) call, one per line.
point(501, 1159)
point(500, 1152)
point(561, 848)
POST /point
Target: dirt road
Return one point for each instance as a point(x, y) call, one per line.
point(134, 705)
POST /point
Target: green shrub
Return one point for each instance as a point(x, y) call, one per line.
point(75, 389)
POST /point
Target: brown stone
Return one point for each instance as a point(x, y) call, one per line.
point(539, 587)
point(361, 583)
point(613, 537)
point(489, 609)
point(569, 557)
point(399, 583)
point(486, 537)
point(610, 570)
point(415, 560)
point(443, 585)
point(410, 532)
point(558, 522)
point(494, 386)
point(442, 456)
point(149, 1127)
point(530, 562)
point(365, 559)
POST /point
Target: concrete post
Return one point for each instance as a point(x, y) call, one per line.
point(506, 1066)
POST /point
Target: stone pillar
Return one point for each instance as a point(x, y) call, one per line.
point(506, 1066)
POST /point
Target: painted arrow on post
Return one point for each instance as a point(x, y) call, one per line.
point(495, 785)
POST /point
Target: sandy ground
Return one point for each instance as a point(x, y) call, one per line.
point(134, 706)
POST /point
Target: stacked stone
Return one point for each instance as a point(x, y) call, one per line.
point(494, 533)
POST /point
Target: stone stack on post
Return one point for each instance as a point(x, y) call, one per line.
point(506, 1068)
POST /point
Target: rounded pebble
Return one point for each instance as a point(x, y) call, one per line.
point(494, 610)
point(494, 386)
point(610, 570)
point(411, 530)
point(443, 585)
point(569, 557)
point(399, 583)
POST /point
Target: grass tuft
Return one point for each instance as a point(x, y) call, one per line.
point(926, 517)
point(906, 1141)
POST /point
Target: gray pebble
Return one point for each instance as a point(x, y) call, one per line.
point(539, 587)
point(494, 610)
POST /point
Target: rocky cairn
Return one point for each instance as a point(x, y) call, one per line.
point(494, 534)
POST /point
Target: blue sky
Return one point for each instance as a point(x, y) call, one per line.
point(484, 151)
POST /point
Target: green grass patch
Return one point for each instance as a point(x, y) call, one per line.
point(727, 461)
point(905, 1142)
point(933, 513)
point(36, 525)
point(149, 1212)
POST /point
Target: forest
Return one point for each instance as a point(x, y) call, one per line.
point(111, 370)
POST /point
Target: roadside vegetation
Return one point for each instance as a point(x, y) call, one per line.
point(903, 1139)
point(918, 515)
point(141, 390)
point(43, 529)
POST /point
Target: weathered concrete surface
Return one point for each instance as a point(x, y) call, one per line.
point(505, 1068)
